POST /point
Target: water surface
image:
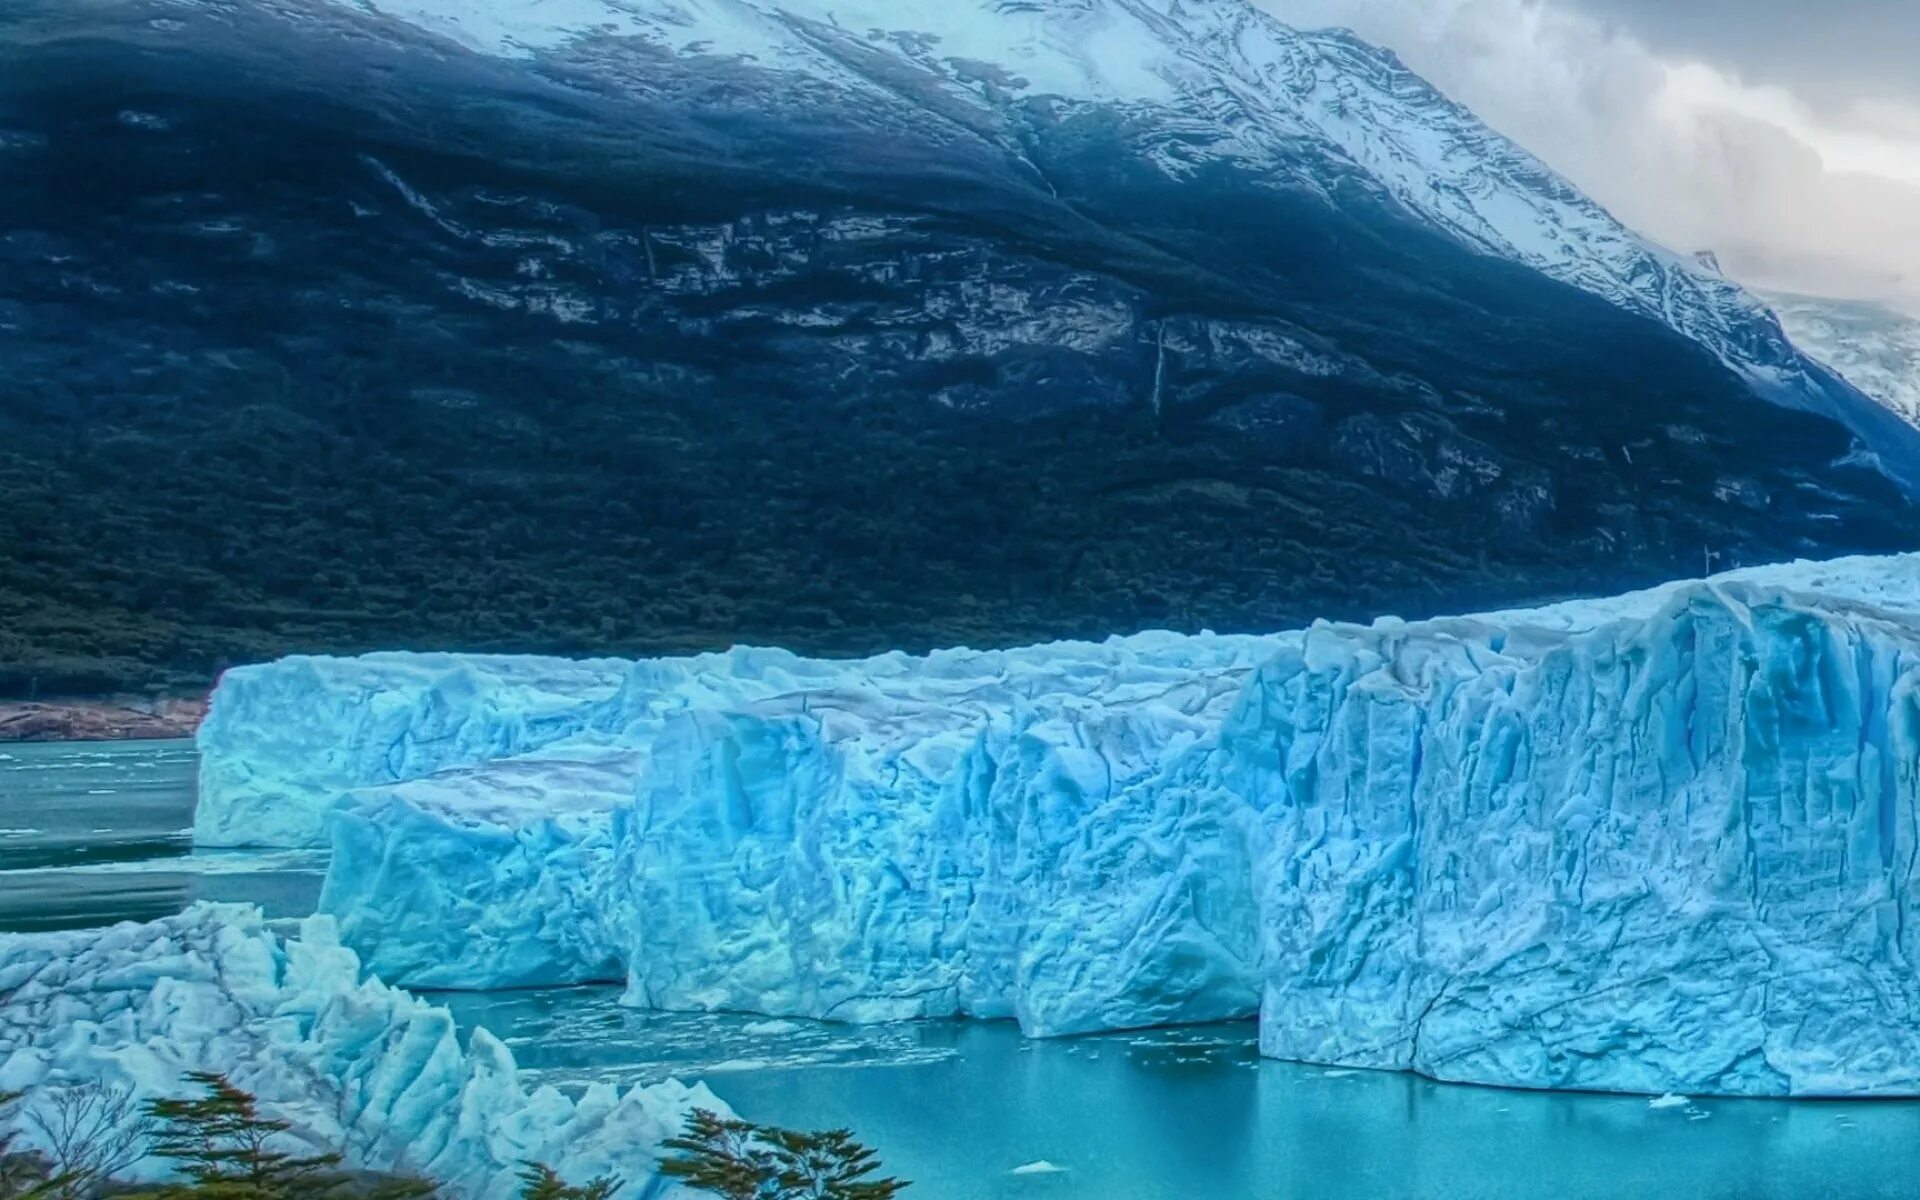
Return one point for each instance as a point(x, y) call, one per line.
point(97, 832)
point(1193, 1114)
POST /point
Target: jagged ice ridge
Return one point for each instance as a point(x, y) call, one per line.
point(354, 1065)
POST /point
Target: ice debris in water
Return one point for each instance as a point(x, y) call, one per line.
point(1655, 843)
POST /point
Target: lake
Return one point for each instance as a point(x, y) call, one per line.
point(970, 1110)
point(93, 832)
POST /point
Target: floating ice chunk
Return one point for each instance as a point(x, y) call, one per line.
point(1670, 1100)
point(770, 1028)
point(1039, 1166)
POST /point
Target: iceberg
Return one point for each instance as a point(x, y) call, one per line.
point(350, 1062)
point(1658, 843)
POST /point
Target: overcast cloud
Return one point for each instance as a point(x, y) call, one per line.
point(1782, 134)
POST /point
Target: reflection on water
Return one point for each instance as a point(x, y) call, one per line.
point(97, 832)
point(969, 1111)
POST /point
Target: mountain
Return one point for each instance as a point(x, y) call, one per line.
point(660, 324)
point(1875, 348)
point(1225, 82)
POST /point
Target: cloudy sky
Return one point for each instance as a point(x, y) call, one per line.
point(1782, 134)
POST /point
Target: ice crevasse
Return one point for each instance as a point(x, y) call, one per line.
point(1659, 842)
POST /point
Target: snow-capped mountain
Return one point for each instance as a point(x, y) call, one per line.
point(1871, 346)
point(1228, 82)
point(838, 324)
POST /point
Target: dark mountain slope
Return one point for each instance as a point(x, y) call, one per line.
point(323, 341)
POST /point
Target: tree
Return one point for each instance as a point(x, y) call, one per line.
point(539, 1182)
point(222, 1148)
point(740, 1160)
point(91, 1134)
point(24, 1175)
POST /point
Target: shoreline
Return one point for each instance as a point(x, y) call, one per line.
point(101, 719)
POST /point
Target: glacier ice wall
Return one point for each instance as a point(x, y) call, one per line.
point(858, 856)
point(1672, 852)
point(1663, 841)
point(283, 741)
point(493, 872)
point(351, 1063)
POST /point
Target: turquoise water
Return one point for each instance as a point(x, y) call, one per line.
point(1194, 1113)
point(96, 833)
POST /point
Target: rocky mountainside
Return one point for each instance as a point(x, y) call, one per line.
point(661, 325)
point(1206, 82)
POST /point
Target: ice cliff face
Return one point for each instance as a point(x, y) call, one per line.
point(352, 1064)
point(1671, 848)
point(391, 717)
point(514, 870)
point(1660, 842)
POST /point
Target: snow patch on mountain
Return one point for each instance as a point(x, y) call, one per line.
point(1250, 88)
point(1875, 348)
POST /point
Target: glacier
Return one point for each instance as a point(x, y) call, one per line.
point(1661, 842)
point(352, 1064)
point(510, 870)
point(1875, 347)
point(309, 731)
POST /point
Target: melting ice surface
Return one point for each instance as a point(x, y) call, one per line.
point(1662, 842)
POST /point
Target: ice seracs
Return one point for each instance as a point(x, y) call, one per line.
point(353, 1065)
point(1663, 842)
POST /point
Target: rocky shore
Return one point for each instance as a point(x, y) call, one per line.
point(114, 718)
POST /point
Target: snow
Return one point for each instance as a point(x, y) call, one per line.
point(1876, 349)
point(1663, 842)
point(349, 1061)
point(1224, 77)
